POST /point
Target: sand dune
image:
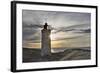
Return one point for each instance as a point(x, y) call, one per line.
point(33, 55)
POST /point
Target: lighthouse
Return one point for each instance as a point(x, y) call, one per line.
point(45, 41)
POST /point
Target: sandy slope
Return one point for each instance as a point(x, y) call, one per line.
point(33, 55)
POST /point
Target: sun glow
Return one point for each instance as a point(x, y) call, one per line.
point(53, 36)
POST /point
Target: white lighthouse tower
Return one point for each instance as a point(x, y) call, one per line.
point(45, 41)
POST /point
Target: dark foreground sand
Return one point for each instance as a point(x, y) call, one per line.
point(33, 55)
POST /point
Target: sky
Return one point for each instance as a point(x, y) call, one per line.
point(68, 29)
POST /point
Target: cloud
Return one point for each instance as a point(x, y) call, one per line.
point(67, 38)
point(84, 31)
point(32, 32)
point(32, 26)
point(84, 28)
